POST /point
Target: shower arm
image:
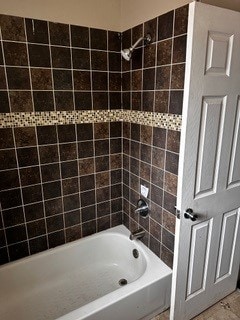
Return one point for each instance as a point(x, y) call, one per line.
point(147, 38)
point(136, 43)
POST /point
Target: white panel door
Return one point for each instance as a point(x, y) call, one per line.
point(207, 249)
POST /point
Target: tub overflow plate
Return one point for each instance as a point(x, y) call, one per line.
point(135, 253)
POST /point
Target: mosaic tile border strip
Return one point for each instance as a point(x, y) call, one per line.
point(29, 119)
point(154, 119)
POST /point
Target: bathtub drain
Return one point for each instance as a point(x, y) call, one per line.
point(135, 253)
point(122, 282)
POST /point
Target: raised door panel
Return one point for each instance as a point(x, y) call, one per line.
point(209, 148)
point(234, 168)
point(230, 225)
point(219, 53)
point(199, 257)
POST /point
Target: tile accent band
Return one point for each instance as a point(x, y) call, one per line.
point(29, 119)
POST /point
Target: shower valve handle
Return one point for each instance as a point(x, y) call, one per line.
point(142, 208)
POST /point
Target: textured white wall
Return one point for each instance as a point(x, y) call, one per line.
point(134, 12)
point(116, 15)
point(228, 4)
point(103, 14)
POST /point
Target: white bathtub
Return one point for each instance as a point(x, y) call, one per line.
point(80, 280)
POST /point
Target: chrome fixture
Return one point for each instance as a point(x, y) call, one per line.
point(142, 208)
point(138, 234)
point(189, 214)
point(127, 53)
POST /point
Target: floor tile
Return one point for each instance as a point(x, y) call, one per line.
point(226, 309)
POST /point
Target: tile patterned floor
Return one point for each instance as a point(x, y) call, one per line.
point(226, 309)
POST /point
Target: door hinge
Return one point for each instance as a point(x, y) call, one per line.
point(177, 212)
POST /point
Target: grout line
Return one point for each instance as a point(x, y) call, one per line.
point(93, 131)
point(52, 199)
point(58, 180)
point(155, 74)
point(51, 69)
point(166, 133)
point(88, 70)
point(21, 191)
point(142, 73)
point(60, 69)
point(17, 163)
point(108, 68)
point(61, 186)
point(4, 232)
point(109, 135)
point(171, 64)
point(83, 48)
point(50, 217)
point(122, 171)
point(151, 144)
point(140, 132)
point(91, 71)
point(69, 90)
point(53, 163)
point(61, 143)
point(122, 127)
point(128, 171)
point(42, 184)
point(109, 130)
point(52, 232)
point(37, 145)
point(130, 75)
point(75, 126)
point(58, 45)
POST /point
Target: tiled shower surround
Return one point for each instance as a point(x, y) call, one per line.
point(62, 180)
point(58, 182)
point(153, 82)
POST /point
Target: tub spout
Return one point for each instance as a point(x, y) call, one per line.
point(138, 234)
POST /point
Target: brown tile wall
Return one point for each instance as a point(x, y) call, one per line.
point(47, 66)
point(153, 81)
point(57, 183)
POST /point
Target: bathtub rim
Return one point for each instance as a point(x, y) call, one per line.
point(150, 275)
point(121, 230)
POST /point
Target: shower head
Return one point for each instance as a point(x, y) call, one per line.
point(127, 53)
